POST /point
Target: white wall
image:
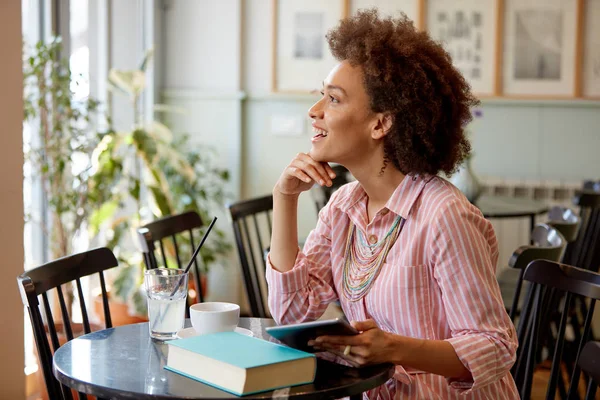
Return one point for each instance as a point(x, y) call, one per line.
point(12, 377)
point(202, 72)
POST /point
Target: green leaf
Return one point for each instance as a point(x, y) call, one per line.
point(161, 201)
point(166, 108)
point(131, 82)
point(134, 189)
point(147, 57)
point(98, 217)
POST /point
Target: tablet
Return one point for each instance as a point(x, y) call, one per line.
point(298, 335)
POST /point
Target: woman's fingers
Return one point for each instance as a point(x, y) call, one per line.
point(315, 169)
point(353, 358)
point(298, 173)
point(329, 170)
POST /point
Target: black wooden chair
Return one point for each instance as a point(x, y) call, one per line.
point(322, 194)
point(585, 251)
point(53, 275)
point(252, 228)
point(548, 244)
point(171, 227)
point(589, 362)
point(551, 280)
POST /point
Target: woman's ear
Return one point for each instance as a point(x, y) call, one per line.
point(383, 126)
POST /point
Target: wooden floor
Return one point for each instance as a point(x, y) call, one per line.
point(540, 384)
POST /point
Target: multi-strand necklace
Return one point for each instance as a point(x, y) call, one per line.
point(363, 261)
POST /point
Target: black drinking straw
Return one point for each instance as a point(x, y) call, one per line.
point(194, 256)
point(160, 317)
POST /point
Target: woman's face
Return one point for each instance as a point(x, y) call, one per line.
point(342, 118)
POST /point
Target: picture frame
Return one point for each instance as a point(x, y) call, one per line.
point(301, 57)
point(469, 30)
point(540, 48)
point(412, 8)
point(590, 74)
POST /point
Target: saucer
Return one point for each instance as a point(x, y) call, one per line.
point(189, 332)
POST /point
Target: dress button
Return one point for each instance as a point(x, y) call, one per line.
point(372, 239)
point(385, 211)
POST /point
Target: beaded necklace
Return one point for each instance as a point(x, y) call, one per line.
point(363, 261)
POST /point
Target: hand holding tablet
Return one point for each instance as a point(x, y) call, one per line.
point(298, 335)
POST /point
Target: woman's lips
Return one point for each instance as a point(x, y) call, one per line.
point(320, 134)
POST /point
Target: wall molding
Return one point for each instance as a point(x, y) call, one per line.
point(202, 94)
point(503, 101)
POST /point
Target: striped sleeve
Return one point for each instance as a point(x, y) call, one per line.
point(464, 255)
point(303, 293)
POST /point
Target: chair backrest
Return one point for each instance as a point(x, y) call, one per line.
point(565, 221)
point(53, 275)
point(584, 252)
point(165, 232)
point(322, 194)
point(548, 244)
point(252, 228)
point(551, 281)
point(589, 362)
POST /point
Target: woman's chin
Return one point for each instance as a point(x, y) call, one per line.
point(318, 155)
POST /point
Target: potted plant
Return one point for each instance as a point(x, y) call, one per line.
point(103, 184)
point(153, 173)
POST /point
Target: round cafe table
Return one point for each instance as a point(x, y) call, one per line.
point(492, 206)
point(125, 363)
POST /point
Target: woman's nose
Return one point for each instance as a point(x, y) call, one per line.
point(316, 111)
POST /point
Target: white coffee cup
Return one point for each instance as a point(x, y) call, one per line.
point(212, 317)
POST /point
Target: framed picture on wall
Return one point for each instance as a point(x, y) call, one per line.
point(540, 48)
point(392, 8)
point(301, 56)
point(468, 31)
point(591, 49)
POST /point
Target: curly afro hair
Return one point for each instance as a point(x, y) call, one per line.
point(410, 76)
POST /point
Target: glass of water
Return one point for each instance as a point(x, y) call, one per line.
point(166, 289)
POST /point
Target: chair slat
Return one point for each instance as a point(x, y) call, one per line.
point(532, 340)
point(558, 349)
point(584, 338)
point(66, 392)
point(164, 254)
point(269, 224)
point(176, 251)
point(253, 266)
point(260, 245)
point(65, 314)
point(84, 315)
point(50, 321)
point(105, 306)
point(245, 270)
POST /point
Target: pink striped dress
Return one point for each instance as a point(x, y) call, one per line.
point(438, 282)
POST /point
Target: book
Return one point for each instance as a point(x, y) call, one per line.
point(240, 364)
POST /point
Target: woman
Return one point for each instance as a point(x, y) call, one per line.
point(411, 261)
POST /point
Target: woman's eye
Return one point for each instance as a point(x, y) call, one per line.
point(331, 98)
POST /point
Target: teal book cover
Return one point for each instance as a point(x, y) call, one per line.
point(238, 350)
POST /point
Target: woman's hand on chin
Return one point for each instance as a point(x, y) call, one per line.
point(300, 175)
